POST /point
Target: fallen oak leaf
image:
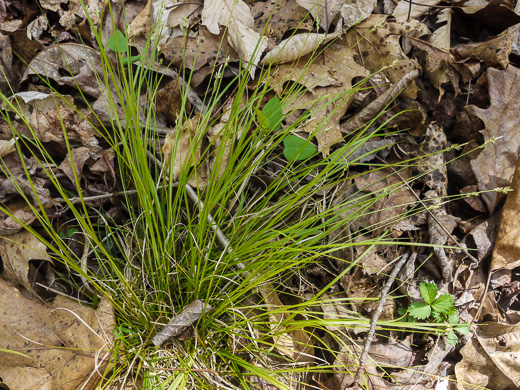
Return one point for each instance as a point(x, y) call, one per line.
point(240, 27)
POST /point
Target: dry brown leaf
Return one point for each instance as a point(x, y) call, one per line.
point(184, 155)
point(492, 52)
point(286, 15)
point(323, 11)
point(22, 254)
point(7, 146)
point(490, 359)
point(295, 47)
point(506, 254)
point(75, 162)
point(406, 10)
point(355, 11)
point(236, 16)
point(295, 344)
point(69, 64)
point(195, 52)
point(142, 23)
point(329, 103)
point(495, 165)
point(65, 342)
point(169, 101)
point(182, 321)
point(22, 214)
point(378, 41)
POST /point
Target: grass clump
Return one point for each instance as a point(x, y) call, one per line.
point(230, 209)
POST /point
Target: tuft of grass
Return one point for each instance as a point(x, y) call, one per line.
point(169, 250)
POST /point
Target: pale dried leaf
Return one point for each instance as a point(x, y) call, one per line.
point(74, 337)
point(490, 360)
point(178, 149)
point(406, 10)
point(495, 165)
point(7, 146)
point(296, 46)
point(441, 37)
point(323, 11)
point(240, 24)
point(17, 252)
point(355, 11)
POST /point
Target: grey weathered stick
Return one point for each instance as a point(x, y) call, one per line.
point(377, 313)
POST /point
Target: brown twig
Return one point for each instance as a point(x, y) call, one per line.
point(377, 313)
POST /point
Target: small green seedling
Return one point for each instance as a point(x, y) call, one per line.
point(270, 118)
point(439, 309)
point(119, 44)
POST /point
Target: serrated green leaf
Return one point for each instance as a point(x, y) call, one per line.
point(429, 291)
point(297, 148)
point(262, 119)
point(462, 328)
point(420, 310)
point(273, 111)
point(444, 304)
point(452, 337)
point(117, 42)
point(453, 318)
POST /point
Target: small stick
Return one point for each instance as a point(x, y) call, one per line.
point(377, 313)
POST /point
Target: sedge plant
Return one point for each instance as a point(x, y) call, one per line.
point(166, 252)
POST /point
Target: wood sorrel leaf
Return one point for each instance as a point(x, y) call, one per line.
point(297, 148)
point(117, 42)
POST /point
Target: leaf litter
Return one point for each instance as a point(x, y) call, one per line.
point(462, 80)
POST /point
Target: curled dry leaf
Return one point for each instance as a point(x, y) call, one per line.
point(495, 165)
point(296, 46)
point(62, 342)
point(240, 28)
point(490, 360)
point(69, 64)
point(406, 10)
point(506, 254)
point(380, 47)
point(323, 11)
point(181, 322)
point(355, 11)
point(295, 344)
point(20, 255)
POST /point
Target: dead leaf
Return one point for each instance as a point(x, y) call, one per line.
point(20, 254)
point(355, 11)
point(506, 255)
point(324, 11)
point(275, 22)
point(185, 319)
point(406, 10)
point(296, 46)
point(378, 41)
point(169, 101)
point(66, 342)
point(495, 165)
point(295, 344)
point(490, 359)
point(75, 162)
point(236, 16)
point(184, 155)
point(69, 64)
